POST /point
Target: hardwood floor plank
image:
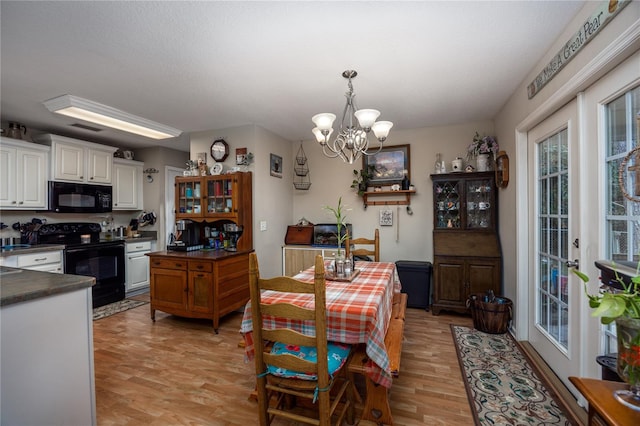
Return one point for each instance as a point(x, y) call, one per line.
point(177, 371)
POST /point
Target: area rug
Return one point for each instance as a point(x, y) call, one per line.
point(114, 308)
point(502, 387)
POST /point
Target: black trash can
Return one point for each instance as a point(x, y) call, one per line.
point(415, 277)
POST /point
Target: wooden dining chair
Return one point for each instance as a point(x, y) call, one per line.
point(290, 364)
point(359, 251)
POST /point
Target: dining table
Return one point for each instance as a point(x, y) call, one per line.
point(358, 312)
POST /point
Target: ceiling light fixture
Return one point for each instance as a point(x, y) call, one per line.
point(352, 140)
point(104, 115)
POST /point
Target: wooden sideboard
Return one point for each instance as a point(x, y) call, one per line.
point(604, 409)
point(199, 284)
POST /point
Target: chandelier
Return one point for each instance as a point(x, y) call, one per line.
point(352, 140)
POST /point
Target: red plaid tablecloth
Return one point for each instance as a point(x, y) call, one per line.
point(357, 312)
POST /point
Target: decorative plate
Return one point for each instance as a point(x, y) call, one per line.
point(217, 169)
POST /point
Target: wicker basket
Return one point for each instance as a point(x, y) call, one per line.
point(490, 317)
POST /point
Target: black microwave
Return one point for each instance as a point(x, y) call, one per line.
point(65, 197)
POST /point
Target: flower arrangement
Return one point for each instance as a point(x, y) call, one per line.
point(482, 145)
point(340, 215)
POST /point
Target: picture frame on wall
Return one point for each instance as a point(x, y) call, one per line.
point(275, 166)
point(389, 164)
point(386, 217)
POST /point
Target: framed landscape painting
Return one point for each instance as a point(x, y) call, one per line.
point(389, 164)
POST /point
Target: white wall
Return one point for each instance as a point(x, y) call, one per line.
point(410, 236)
point(519, 107)
point(271, 195)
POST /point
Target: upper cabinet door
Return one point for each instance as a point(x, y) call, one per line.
point(100, 166)
point(69, 162)
point(32, 171)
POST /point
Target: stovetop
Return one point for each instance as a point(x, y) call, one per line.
point(69, 233)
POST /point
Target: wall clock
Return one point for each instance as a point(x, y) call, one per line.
point(502, 170)
point(219, 150)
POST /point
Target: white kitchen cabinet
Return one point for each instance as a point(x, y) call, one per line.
point(127, 184)
point(45, 261)
point(74, 160)
point(137, 268)
point(24, 170)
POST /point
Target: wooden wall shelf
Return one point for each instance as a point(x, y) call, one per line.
point(405, 194)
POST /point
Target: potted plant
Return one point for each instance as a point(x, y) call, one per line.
point(340, 215)
point(622, 307)
point(361, 179)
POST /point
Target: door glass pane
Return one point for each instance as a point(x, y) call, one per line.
point(622, 214)
point(553, 220)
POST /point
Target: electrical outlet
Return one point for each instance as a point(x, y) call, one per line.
point(263, 225)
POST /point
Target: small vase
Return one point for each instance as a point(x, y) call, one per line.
point(339, 263)
point(482, 162)
point(628, 364)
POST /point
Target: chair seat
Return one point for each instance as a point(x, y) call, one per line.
point(337, 354)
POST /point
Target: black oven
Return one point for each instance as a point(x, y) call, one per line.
point(67, 197)
point(105, 262)
point(85, 254)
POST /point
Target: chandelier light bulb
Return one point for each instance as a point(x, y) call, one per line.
point(351, 141)
point(381, 129)
point(366, 117)
point(324, 121)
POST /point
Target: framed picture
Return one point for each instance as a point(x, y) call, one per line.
point(241, 154)
point(389, 164)
point(386, 217)
point(276, 166)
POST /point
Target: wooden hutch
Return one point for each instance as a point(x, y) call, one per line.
point(467, 256)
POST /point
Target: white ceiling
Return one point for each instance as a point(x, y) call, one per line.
point(210, 65)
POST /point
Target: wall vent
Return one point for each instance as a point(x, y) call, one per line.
point(85, 127)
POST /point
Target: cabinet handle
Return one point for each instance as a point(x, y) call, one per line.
point(139, 247)
point(91, 178)
point(21, 202)
point(13, 202)
point(41, 259)
point(186, 289)
point(199, 266)
point(178, 265)
point(81, 177)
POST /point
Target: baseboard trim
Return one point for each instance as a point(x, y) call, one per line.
point(578, 414)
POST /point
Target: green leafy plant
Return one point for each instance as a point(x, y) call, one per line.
point(361, 179)
point(610, 304)
point(340, 214)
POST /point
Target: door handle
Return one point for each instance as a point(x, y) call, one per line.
point(573, 264)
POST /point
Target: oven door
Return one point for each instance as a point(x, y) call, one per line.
point(104, 262)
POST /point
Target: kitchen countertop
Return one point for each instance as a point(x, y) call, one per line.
point(32, 249)
point(21, 285)
point(199, 254)
point(36, 248)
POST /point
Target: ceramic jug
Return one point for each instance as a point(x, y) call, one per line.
point(16, 130)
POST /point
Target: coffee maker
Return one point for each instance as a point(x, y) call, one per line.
point(233, 232)
point(187, 236)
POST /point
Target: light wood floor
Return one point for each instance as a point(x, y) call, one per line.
point(178, 372)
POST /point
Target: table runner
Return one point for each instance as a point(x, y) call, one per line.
point(357, 312)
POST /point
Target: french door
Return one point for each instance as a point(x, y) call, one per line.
point(553, 292)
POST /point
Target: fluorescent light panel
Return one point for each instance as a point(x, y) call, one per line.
point(83, 109)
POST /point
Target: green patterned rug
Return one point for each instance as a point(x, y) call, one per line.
point(502, 387)
point(114, 308)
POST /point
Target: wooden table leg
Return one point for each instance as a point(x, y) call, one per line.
point(376, 404)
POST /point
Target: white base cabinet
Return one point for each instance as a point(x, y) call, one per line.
point(24, 170)
point(47, 361)
point(137, 268)
point(46, 261)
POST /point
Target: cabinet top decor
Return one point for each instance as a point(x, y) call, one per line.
point(482, 145)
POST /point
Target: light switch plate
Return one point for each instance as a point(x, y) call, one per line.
point(263, 225)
